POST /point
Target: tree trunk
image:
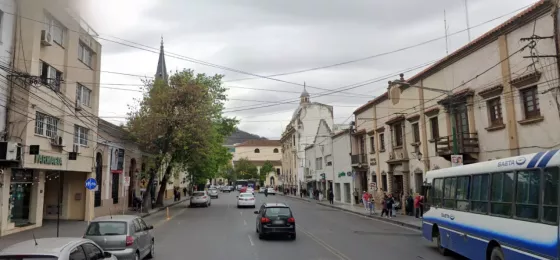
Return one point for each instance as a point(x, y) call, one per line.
point(163, 185)
point(147, 196)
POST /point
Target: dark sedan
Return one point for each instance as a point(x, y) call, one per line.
point(275, 219)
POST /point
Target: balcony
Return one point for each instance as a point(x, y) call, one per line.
point(359, 160)
point(467, 145)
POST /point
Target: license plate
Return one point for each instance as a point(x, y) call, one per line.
point(278, 222)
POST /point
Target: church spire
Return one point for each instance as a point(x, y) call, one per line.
point(304, 97)
point(161, 72)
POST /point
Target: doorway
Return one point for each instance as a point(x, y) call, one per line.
point(98, 179)
point(20, 197)
point(132, 175)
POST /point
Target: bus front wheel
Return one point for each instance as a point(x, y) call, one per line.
point(497, 254)
point(442, 250)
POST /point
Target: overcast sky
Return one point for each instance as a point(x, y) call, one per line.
point(266, 37)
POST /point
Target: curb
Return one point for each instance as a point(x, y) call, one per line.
point(294, 197)
point(374, 217)
point(156, 210)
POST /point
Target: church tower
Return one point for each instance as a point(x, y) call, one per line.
point(161, 72)
point(304, 97)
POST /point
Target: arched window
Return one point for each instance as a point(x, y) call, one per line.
point(257, 150)
point(275, 150)
point(278, 171)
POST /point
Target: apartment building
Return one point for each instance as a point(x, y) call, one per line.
point(53, 106)
point(495, 97)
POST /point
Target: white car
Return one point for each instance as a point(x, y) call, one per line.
point(250, 190)
point(271, 191)
point(246, 200)
point(200, 198)
point(262, 189)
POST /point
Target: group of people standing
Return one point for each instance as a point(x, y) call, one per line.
point(414, 206)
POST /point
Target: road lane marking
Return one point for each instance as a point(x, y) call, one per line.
point(169, 219)
point(251, 240)
point(324, 244)
point(244, 222)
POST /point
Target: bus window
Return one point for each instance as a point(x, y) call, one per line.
point(501, 194)
point(479, 193)
point(463, 193)
point(550, 202)
point(438, 192)
point(527, 197)
point(449, 188)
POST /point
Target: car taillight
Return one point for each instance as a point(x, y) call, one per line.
point(251, 198)
point(265, 220)
point(204, 197)
point(129, 240)
point(291, 220)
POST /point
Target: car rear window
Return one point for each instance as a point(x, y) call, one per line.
point(280, 211)
point(27, 257)
point(199, 193)
point(106, 228)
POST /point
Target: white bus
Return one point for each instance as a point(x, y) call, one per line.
point(500, 209)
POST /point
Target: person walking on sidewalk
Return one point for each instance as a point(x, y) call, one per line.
point(390, 204)
point(371, 204)
point(365, 200)
point(417, 205)
point(356, 196)
point(331, 197)
point(384, 210)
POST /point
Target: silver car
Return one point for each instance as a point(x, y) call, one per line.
point(213, 193)
point(200, 198)
point(63, 248)
point(124, 236)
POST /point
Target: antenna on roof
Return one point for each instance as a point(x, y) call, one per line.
point(110, 214)
point(34, 239)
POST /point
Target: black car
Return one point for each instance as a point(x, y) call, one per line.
point(275, 219)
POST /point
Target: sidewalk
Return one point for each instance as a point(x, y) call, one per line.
point(68, 228)
point(403, 220)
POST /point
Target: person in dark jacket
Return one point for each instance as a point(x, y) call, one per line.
point(331, 197)
point(409, 205)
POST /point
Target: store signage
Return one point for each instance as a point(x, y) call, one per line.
point(48, 160)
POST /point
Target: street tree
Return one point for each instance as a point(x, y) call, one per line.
point(180, 121)
point(265, 170)
point(245, 169)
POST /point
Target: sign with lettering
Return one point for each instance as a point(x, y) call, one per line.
point(48, 160)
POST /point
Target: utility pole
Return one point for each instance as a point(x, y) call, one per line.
point(467, 18)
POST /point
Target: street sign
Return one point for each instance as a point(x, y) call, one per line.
point(91, 184)
point(126, 181)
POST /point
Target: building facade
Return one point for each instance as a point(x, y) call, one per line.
point(342, 167)
point(258, 152)
point(300, 133)
point(493, 98)
point(319, 171)
point(53, 104)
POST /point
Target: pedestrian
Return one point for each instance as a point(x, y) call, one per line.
point(421, 206)
point(266, 192)
point(371, 205)
point(417, 206)
point(384, 210)
point(390, 205)
point(331, 197)
point(185, 191)
point(365, 200)
point(356, 196)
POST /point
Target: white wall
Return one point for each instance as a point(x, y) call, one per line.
point(341, 163)
point(6, 53)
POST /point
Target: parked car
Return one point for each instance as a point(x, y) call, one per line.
point(271, 191)
point(242, 189)
point(262, 189)
point(227, 189)
point(246, 200)
point(250, 190)
point(55, 248)
point(124, 236)
point(213, 193)
point(200, 198)
point(275, 218)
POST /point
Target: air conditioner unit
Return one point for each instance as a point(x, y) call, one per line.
point(76, 148)
point(57, 140)
point(46, 38)
point(9, 151)
point(78, 106)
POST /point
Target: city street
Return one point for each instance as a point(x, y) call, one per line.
point(224, 232)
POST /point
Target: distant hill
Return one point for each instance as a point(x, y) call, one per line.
point(240, 136)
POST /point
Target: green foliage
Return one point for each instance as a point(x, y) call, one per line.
point(244, 169)
point(181, 122)
point(265, 170)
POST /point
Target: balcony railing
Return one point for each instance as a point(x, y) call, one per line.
point(467, 143)
point(359, 159)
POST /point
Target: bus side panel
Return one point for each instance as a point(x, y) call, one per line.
point(467, 246)
point(427, 230)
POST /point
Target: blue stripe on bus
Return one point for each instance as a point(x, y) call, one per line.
point(535, 160)
point(546, 158)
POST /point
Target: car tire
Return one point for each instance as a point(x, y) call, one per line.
point(261, 236)
point(293, 237)
point(253, 206)
point(152, 250)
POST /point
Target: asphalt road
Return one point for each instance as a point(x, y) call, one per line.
point(224, 232)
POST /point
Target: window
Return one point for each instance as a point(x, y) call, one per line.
point(143, 225)
point(319, 163)
point(56, 29)
point(328, 160)
point(438, 192)
point(416, 132)
point(50, 76)
point(92, 251)
point(382, 142)
point(77, 254)
point(550, 202)
point(106, 228)
point(85, 54)
point(275, 150)
point(46, 125)
point(530, 101)
point(495, 111)
point(434, 123)
point(278, 171)
point(80, 135)
point(449, 192)
point(463, 193)
point(83, 95)
point(372, 143)
point(501, 194)
point(257, 150)
point(397, 128)
point(479, 193)
point(527, 195)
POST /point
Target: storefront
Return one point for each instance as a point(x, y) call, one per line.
point(21, 187)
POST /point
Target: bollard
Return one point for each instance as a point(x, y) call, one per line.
point(167, 213)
